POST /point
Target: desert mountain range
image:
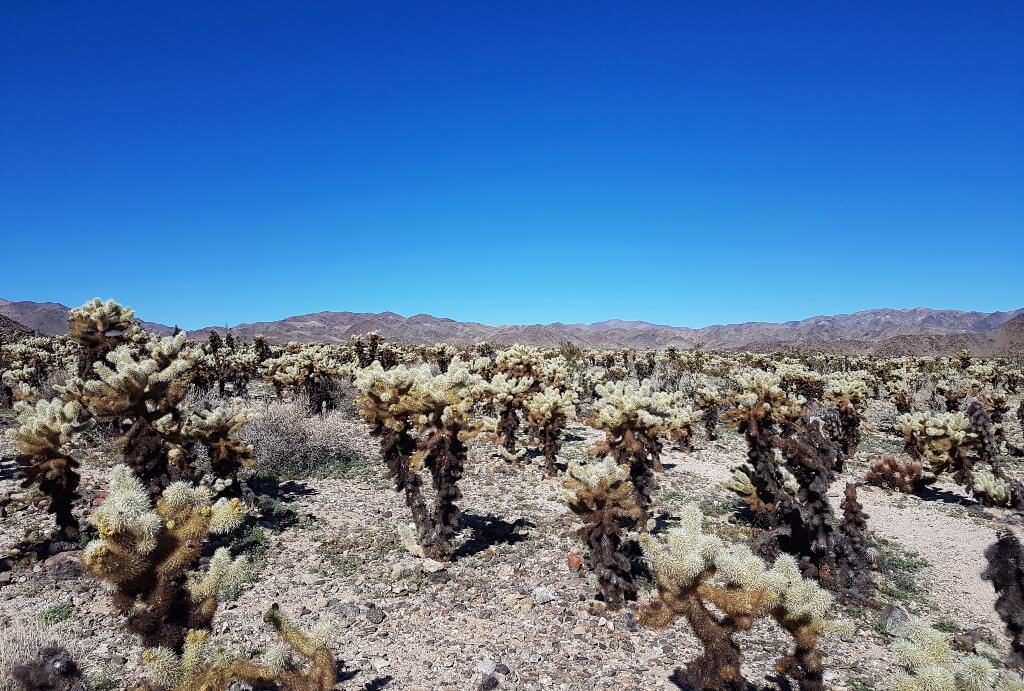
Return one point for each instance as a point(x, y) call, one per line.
point(917, 331)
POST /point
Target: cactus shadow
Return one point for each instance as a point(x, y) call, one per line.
point(287, 490)
point(487, 531)
point(7, 468)
point(944, 496)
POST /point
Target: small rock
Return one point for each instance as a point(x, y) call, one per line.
point(893, 619)
point(403, 570)
point(575, 562)
point(374, 614)
point(487, 666)
point(432, 566)
point(542, 596)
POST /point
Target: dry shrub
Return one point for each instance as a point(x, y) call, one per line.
point(289, 444)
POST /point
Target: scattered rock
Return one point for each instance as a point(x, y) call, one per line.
point(542, 595)
point(893, 619)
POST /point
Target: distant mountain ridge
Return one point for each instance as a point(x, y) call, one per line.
point(875, 330)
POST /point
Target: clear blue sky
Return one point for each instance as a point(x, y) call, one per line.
point(512, 162)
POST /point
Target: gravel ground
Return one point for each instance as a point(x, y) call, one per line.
point(509, 612)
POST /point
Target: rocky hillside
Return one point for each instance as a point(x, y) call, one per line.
point(881, 331)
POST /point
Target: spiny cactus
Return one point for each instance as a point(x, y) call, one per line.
point(41, 438)
point(309, 370)
point(201, 668)
point(143, 554)
point(853, 562)
point(601, 494)
point(508, 394)
point(760, 409)
point(632, 418)
point(1005, 570)
point(402, 400)
point(549, 411)
point(680, 428)
point(906, 476)
point(709, 399)
point(218, 430)
point(848, 391)
point(695, 572)
point(931, 665)
point(100, 327)
point(142, 389)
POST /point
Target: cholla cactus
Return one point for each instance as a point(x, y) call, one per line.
point(143, 554)
point(901, 395)
point(931, 664)
point(309, 369)
point(143, 389)
point(548, 412)
point(694, 572)
point(508, 394)
point(906, 476)
point(941, 438)
point(218, 429)
point(760, 409)
point(680, 428)
point(402, 400)
point(632, 418)
point(100, 327)
point(801, 380)
point(201, 668)
point(601, 494)
point(41, 438)
point(848, 391)
point(709, 399)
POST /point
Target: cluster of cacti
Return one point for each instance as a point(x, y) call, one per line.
point(99, 327)
point(309, 370)
point(722, 590)
point(800, 380)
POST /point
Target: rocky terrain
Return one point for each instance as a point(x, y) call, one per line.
point(881, 331)
point(515, 610)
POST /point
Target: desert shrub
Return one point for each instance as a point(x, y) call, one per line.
point(288, 444)
point(22, 641)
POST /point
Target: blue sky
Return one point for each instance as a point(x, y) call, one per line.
point(212, 163)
